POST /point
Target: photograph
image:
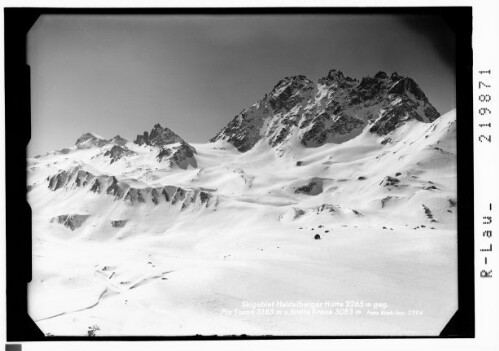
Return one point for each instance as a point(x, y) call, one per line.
point(231, 174)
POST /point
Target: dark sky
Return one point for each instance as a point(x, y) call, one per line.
point(122, 74)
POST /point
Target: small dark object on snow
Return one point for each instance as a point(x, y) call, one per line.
point(317, 237)
point(397, 174)
point(92, 330)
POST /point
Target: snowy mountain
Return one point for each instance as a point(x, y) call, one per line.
point(335, 109)
point(332, 191)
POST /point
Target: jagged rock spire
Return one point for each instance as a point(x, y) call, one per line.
point(158, 136)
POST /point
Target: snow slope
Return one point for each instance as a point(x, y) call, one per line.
point(122, 259)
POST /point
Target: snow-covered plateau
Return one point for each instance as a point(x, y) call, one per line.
point(326, 208)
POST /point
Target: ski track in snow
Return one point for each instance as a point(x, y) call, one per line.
point(109, 291)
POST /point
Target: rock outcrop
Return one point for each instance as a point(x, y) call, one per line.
point(72, 221)
point(89, 140)
point(172, 149)
point(117, 152)
point(334, 109)
point(158, 136)
point(131, 195)
point(314, 187)
point(118, 140)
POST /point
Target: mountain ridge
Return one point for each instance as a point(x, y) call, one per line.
point(333, 108)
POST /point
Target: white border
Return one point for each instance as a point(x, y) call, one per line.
point(486, 56)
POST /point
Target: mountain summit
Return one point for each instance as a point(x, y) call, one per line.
point(168, 147)
point(172, 147)
point(333, 110)
point(158, 136)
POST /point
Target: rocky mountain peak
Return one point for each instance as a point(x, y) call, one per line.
point(337, 78)
point(118, 140)
point(86, 137)
point(165, 140)
point(335, 109)
point(407, 86)
point(381, 75)
point(158, 136)
point(88, 140)
point(335, 74)
point(117, 152)
point(289, 91)
point(291, 80)
point(181, 156)
point(395, 76)
point(289, 85)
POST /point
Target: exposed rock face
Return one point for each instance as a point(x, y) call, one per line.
point(289, 92)
point(72, 221)
point(64, 151)
point(297, 212)
point(118, 140)
point(119, 223)
point(335, 109)
point(75, 176)
point(89, 140)
point(183, 156)
point(385, 200)
point(122, 190)
point(172, 148)
point(314, 187)
point(390, 181)
point(58, 181)
point(158, 136)
point(325, 208)
point(117, 152)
